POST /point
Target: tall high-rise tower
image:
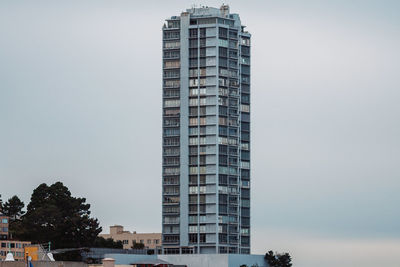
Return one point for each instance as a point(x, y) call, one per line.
point(206, 133)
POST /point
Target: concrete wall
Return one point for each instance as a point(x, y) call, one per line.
point(12, 264)
point(195, 260)
point(43, 264)
point(235, 260)
point(216, 260)
point(58, 264)
point(126, 259)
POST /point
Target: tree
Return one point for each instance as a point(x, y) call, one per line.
point(13, 208)
point(1, 205)
point(53, 215)
point(278, 260)
point(101, 242)
point(138, 245)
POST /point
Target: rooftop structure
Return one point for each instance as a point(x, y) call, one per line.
point(128, 239)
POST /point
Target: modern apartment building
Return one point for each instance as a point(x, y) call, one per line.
point(206, 133)
point(128, 239)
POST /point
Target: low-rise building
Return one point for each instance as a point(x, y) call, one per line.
point(4, 220)
point(190, 260)
point(17, 248)
point(128, 239)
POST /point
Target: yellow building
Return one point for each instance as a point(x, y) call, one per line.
point(128, 239)
point(32, 251)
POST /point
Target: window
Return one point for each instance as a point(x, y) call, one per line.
point(171, 141)
point(202, 238)
point(193, 130)
point(171, 83)
point(171, 122)
point(193, 102)
point(223, 33)
point(244, 146)
point(171, 35)
point(171, 151)
point(207, 21)
point(172, 64)
point(172, 44)
point(193, 238)
point(171, 103)
point(245, 108)
point(171, 54)
point(193, 229)
point(169, 219)
point(193, 189)
point(170, 209)
point(223, 238)
point(222, 250)
point(171, 190)
point(245, 50)
point(169, 239)
point(171, 200)
point(223, 43)
point(171, 93)
point(5, 220)
point(245, 126)
point(171, 73)
point(171, 170)
point(193, 121)
point(193, 141)
point(171, 180)
point(245, 60)
point(174, 24)
point(245, 203)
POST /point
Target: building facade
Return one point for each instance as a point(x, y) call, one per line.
point(128, 239)
point(17, 248)
point(206, 133)
point(4, 221)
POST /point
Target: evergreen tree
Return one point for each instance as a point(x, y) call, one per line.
point(13, 208)
point(278, 260)
point(1, 205)
point(101, 242)
point(53, 215)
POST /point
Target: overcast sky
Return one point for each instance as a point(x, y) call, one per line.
point(80, 102)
